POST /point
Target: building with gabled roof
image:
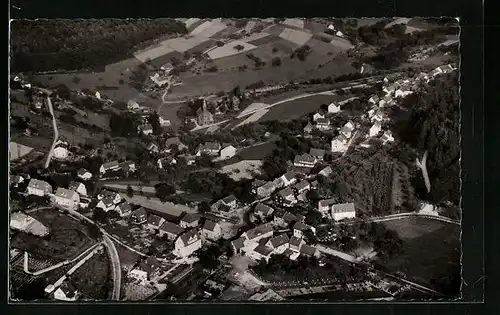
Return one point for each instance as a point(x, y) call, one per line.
point(302, 186)
point(128, 166)
point(266, 189)
point(187, 243)
point(299, 229)
point(318, 154)
point(154, 222)
point(27, 224)
point(304, 160)
point(39, 187)
point(211, 230)
point(204, 116)
point(327, 171)
point(343, 211)
point(106, 204)
point(66, 198)
point(189, 221)
point(78, 187)
point(66, 292)
point(171, 230)
point(260, 252)
point(308, 128)
point(109, 166)
point(258, 233)
point(84, 174)
point(263, 211)
point(124, 209)
point(286, 197)
point(279, 243)
point(139, 216)
point(333, 108)
point(309, 251)
point(296, 243)
point(323, 124)
point(284, 218)
point(170, 142)
point(339, 144)
point(238, 244)
point(288, 178)
point(209, 148)
point(146, 270)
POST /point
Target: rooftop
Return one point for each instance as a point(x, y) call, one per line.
point(343, 207)
point(66, 193)
point(258, 231)
point(238, 243)
point(209, 225)
point(279, 240)
point(264, 209)
point(190, 237)
point(171, 228)
point(263, 250)
point(317, 152)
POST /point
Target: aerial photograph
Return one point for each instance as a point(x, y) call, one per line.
point(222, 159)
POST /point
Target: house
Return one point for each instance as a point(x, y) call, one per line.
point(78, 187)
point(226, 204)
point(187, 243)
point(403, 91)
point(124, 209)
point(238, 245)
point(304, 160)
point(257, 233)
point(299, 229)
point(163, 162)
point(327, 171)
point(67, 198)
point(374, 99)
point(204, 116)
point(128, 166)
point(261, 252)
point(314, 184)
point(318, 154)
point(302, 186)
point(375, 129)
point(110, 166)
point(339, 144)
point(146, 270)
point(347, 129)
point(174, 141)
point(333, 108)
point(84, 174)
point(146, 129)
point(154, 222)
point(211, 230)
point(266, 190)
point(189, 221)
point(39, 187)
point(228, 151)
point(16, 180)
point(284, 218)
point(323, 124)
point(279, 243)
point(343, 211)
point(115, 197)
point(210, 148)
point(256, 184)
point(164, 122)
point(171, 230)
point(153, 148)
point(308, 128)
point(139, 216)
point(318, 116)
point(286, 197)
point(263, 211)
point(132, 105)
point(106, 204)
point(325, 205)
point(66, 292)
point(27, 224)
point(296, 243)
point(387, 137)
point(308, 250)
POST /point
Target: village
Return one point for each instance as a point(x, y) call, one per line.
point(237, 204)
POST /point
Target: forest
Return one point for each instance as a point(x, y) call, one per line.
point(46, 45)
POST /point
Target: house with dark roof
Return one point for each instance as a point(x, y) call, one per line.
point(309, 251)
point(146, 270)
point(174, 141)
point(279, 243)
point(154, 222)
point(128, 166)
point(124, 209)
point(304, 160)
point(347, 129)
point(258, 233)
point(286, 197)
point(139, 216)
point(284, 218)
point(211, 230)
point(39, 187)
point(66, 198)
point(296, 243)
point(84, 174)
point(308, 128)
point(189, 221)
point(323, 124)
point(288, 178)
point(106, 204)
point(318, 154)
point(187, 243)
point(266, 189)
point(112, 194)
point(302, 186)
point(343, 211)
point(78, 187)
point(226, 204)
point(299, 229)
point(260, 252)
point(171, 230)
point(238, 244)
point(263, 211)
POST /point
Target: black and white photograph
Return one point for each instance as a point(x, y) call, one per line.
point(234, 160)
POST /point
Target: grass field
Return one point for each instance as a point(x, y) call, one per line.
point(18, 150)
point(257, 152)
point(229, 49)
point(68, 237)
point(295, 36)
point(432, 250)
point(297, 23)
point(92, 277)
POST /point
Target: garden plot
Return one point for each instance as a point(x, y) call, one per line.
point(341, 43)
point(295, 36)
point(242, 170)
point(298, 23)
point(229, 49)
point(314, 27)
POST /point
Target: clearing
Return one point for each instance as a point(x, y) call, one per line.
point(242, 170)
point(257, 152)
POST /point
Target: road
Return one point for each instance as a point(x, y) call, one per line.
point(56, 132)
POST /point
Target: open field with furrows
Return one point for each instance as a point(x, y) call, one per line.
point(431, 253)
point(298, 108)
point(107, 82)
point(93, 278)
point(68, 237)
point(17, 150)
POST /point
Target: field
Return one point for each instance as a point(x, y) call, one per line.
point(68, 237)
point(128, 258)
point(93, 277)
point(297, 23)
point(242, 170)
point(163, 207)
point(253, 118)
point(192, 22)
point(229, 49)
point(295, 36)
point(431, 253)
point(208, 29)
point(257, 152)
point(298, 108)
point(18, 150)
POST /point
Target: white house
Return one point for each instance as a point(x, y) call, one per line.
point(187, 243)
point(154, 222)
point(279, 243)
point(339, 144)
point(146, 270)
point(318, 116)
point(347, 129)
point(132, 105)
point(288, 178)
point(323, 124)
point(374, 99)
point(39, 187)
point(304, 160)
point(387, 137)
point(114, 196)
point(78, 187)
point(227, 152)
point(211, 230)
point(146, 129)
point(375, 129)
point(66, 292)
point(339, 34)
point(67, 198)
point(343, 211)
point(333, 108)
point(266, 189)
point(61, 150)
point(110, 166)
point(139, 216)
point(299, 229)
point(124, 209)
point(84, 174)
point(326, 171)
point(260, 252)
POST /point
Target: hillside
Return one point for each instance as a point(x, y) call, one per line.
point(45, 45)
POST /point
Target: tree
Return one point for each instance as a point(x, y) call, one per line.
point(204, 207)
point(239, 47)
point(310, 237)
point(130, 191)
point(63, 91)
point(313, 218)
point(276, 62)
point(163, 190)
point(209, 257)
point(112, 215)
point(99, 215)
